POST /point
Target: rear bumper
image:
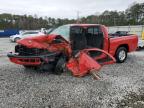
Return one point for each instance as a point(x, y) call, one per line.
point(31, 60)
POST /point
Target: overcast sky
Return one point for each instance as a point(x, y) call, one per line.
point(62, 8)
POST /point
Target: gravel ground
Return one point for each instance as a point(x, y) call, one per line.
point(119, 85)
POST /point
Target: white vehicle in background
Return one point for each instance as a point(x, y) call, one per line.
point(140, 43)
point(17, 37)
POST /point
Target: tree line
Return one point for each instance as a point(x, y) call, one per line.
point(134, 15)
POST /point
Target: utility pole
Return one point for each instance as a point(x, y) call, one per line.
point(78, 17)
point(114, 21)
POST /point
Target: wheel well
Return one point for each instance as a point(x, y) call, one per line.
point(17, 37)
point(124, 45)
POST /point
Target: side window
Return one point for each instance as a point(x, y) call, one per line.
point(96, 30)
point(76, 30)
point(93, 31)
point(76, 33)
point(90, 31)
point(94, 37)
point(33, 32)
point(77, 37)
point(25, 33)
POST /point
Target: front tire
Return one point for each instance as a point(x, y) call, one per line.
point(121, 54)
point(59, 66)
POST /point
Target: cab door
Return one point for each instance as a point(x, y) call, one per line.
point(84, 62)
point(94, 37)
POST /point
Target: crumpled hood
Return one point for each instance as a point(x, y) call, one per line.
point(45, 42)
point(41, 42)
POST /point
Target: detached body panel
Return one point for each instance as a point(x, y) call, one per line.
point(83, 63)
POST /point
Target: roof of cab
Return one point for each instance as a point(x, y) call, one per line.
point(83, 25)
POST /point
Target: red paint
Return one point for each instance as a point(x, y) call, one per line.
point(26, 61)
point(102, 56)
point(110, 44)
point(45, 42)
point(82, 64)
point(130, 41)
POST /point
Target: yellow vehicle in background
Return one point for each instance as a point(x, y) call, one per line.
point(143, 35)
point(141, 41)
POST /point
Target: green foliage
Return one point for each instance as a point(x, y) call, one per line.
point(134, 15)
point(30, 22)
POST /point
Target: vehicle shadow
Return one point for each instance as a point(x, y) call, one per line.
point(140, 49)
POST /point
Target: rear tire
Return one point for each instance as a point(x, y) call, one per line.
point(121, 54)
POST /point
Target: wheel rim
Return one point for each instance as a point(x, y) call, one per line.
point(122, 55)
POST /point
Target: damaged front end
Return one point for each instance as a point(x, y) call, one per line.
point(54, 53)
point(41, 52)
point(33, 57)
point(30, 56)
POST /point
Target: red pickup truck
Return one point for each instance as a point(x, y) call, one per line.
point(66, 41)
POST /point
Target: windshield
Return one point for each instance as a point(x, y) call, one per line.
point(63, 31)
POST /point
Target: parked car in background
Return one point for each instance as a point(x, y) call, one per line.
point(23, 35)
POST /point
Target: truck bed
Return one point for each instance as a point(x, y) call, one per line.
point(114, 36)
point(129, 41)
